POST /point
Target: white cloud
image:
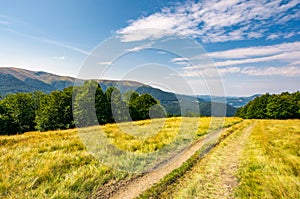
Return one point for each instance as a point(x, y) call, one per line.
point(286, 71)
point(236, 61)
point(139, 48)
point(284, 57)
point(161, 52)
point(59, 57)
point(62, 45)
point(256, 51)
point(289, 35)
point(105, 63)
point(4, 22)
point(295, 63)
point(274, 36)
point(289, 71)
point(287, 53)
point(180, 59)
point(212, 20)
point(229, 70)
point(281, 35)
point(49, 41)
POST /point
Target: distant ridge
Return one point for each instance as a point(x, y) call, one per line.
point(14, 80)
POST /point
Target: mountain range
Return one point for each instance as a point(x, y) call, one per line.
point(14, 80)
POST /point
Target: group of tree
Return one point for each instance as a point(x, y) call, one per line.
point(277, 106)
point(79, 106)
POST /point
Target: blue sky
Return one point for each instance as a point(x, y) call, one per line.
point(254, 45)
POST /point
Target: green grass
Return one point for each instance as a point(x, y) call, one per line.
point(150, 135)
point(49, 165)
point(259, 161)
point(270, 165)
point(175, 181)
point(210, 176)
point(56, 164)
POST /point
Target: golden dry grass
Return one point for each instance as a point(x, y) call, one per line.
point(267, 164)
point(270, 164)
point(56, 164)
point(212, 176)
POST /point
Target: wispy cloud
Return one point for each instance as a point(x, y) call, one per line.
point(139, 48)
point(183, 61)
point(105, 63)
point(59, 57)
point(289, 53)
point(281, 35)
point(237, 61)
point(49, 41)
point(213, 20)
point(73, 48)
point(284, 57)
point(4, 22)
point(256, 51)
point(289, 71)
point(286, 71)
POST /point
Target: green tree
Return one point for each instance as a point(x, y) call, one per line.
point(6, 121)
point(296, 101)
point(132, 103)
point(21, 109)
point(102, 106)
point(84, 111)
point(282, 107)
point(276, 106)
point(158, 111)
point(140, 106)
point(144, 103)
point(118, 106)
point(258, 108)
point(55, 111)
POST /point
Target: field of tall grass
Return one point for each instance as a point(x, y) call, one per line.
point(56, 164)
point(199, 176)
point(259, 159)
point(270, 164)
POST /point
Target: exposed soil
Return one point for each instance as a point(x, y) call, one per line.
point(215, 176)
point(133, 187)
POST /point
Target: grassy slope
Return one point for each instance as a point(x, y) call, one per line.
point(270, 164)
point(52, 164)
point(185, 177)
point(258, 162)
point(57, 165)
point(213, 176)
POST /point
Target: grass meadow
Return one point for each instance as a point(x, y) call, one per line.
point(56, 164)
point(259, 159)
point(270, 163)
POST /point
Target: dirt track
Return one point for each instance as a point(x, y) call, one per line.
point(134, 187)
point(216, 175)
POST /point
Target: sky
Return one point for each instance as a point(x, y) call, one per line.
point(235, 48)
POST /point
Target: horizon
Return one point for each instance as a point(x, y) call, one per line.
point(206, 95)
point(254, 46)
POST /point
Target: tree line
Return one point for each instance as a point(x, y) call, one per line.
point(276, 106)
point(73, 106)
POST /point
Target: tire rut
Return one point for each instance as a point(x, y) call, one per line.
point(215, 175)
point(132, 188)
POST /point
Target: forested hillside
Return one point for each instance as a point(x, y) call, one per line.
point(15, 80)
point(277, 106)
point(24, 112)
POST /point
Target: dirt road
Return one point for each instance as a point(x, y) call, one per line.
point(136, 186)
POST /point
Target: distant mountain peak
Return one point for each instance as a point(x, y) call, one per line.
point(13, 80)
